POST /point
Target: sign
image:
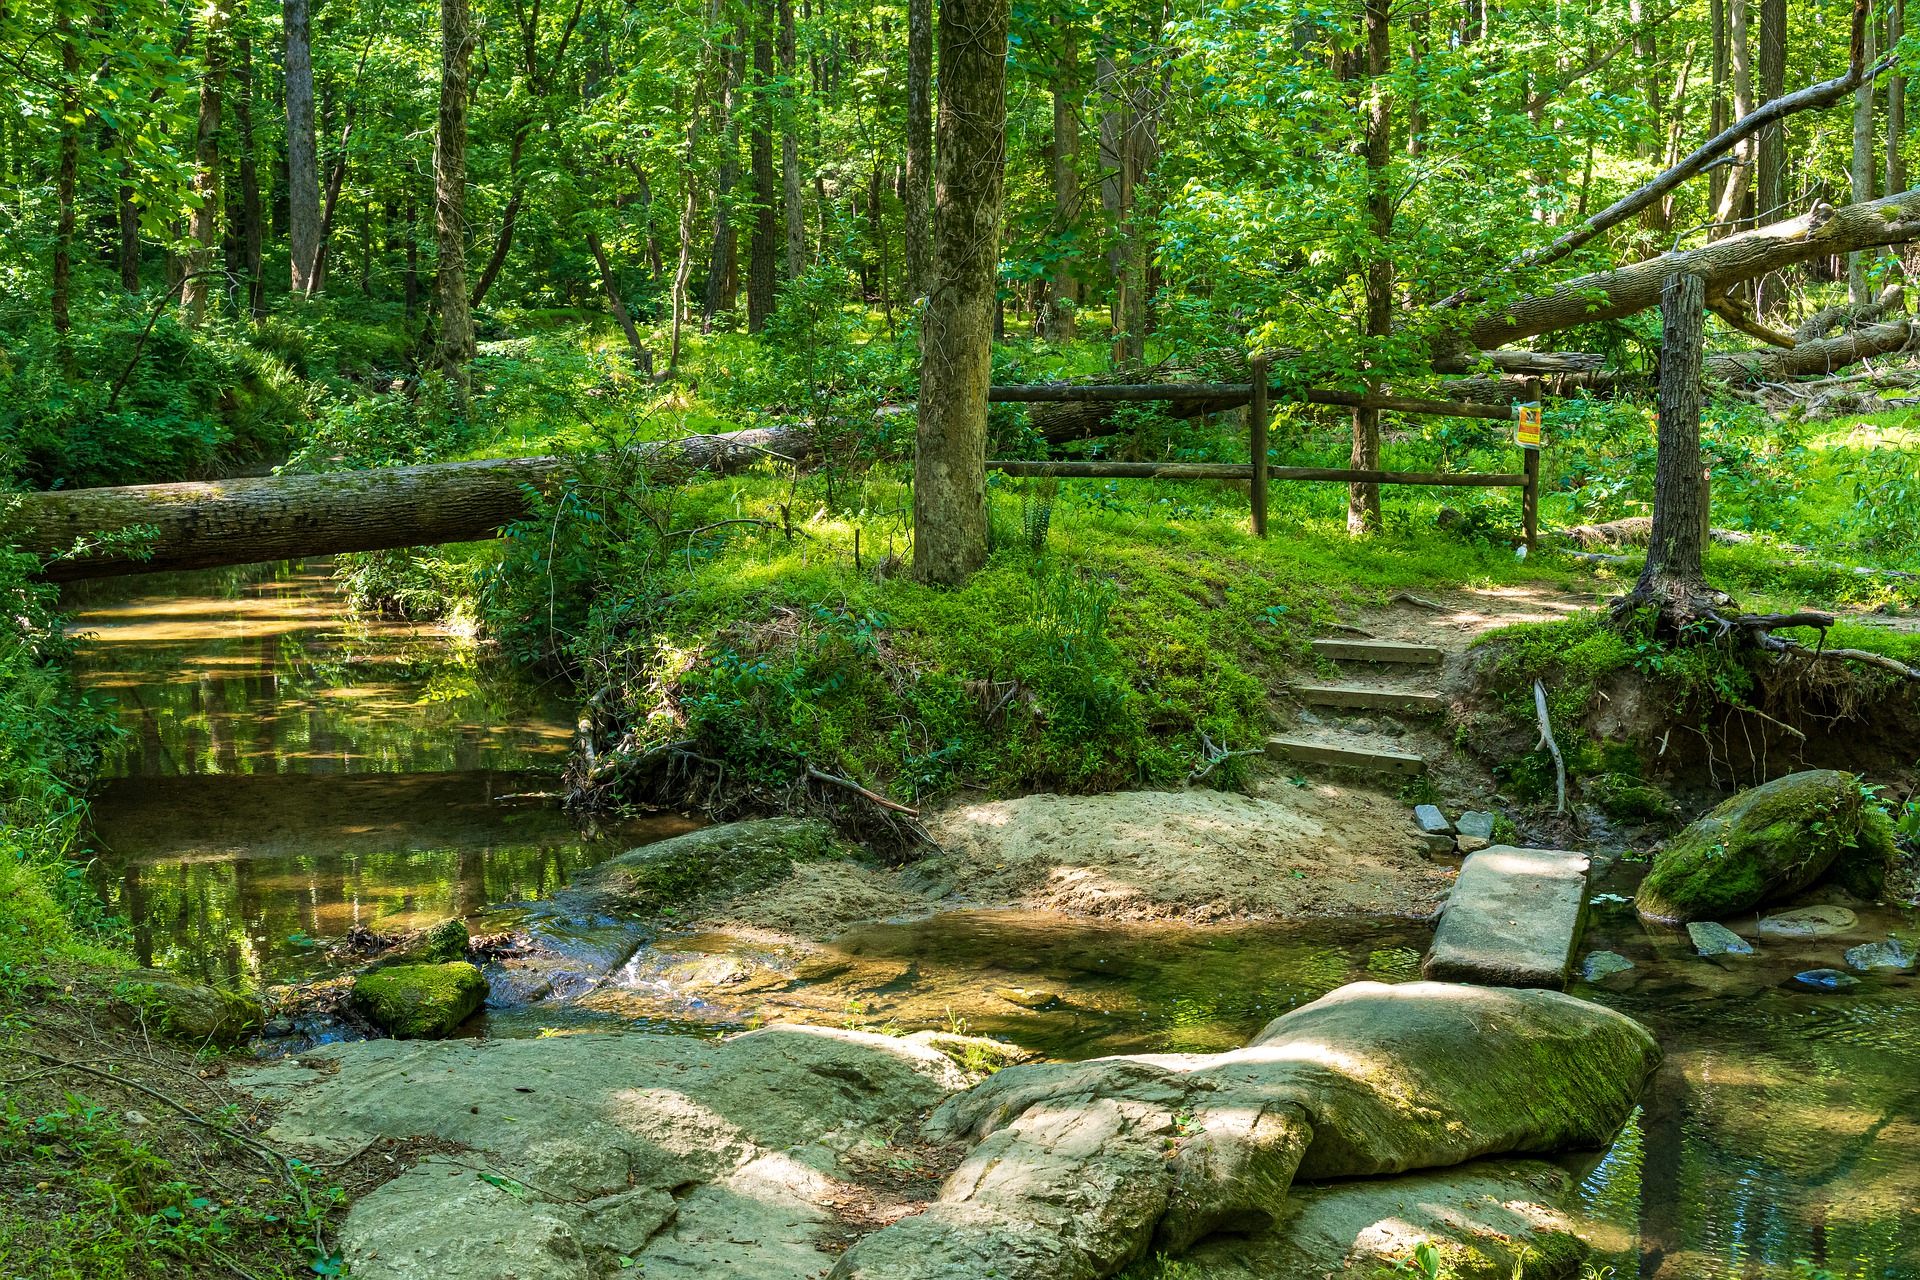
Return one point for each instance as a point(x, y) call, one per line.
point(1526, 430)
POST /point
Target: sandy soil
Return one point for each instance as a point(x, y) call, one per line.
point(1290, 851)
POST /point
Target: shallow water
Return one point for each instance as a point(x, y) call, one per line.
point(288, 773)
point(291, 774)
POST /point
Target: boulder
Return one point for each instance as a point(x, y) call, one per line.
point(1431, 819)
point(1891, 954)
point(1080, 1168)
point(732, 858)
point(1826, 979)
point(688, 1158)
point(1710, 939)
point(420, 1001)
point(1820, 921)
point(189, 1011)
point(1478, 823)
point(1766, 843)
point(1481, 1219)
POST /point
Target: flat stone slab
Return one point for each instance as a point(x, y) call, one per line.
point(1711, 939)
point(1809, 922)
point(1432, 820)
point(1513, 919)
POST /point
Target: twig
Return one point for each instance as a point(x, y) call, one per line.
point(159, 308)
point(851, 785)
point(1782, 723)
point(1215, 755)
point(1546, 740)
point(1410, 598)
point(1343, 626)
point(1778, 645)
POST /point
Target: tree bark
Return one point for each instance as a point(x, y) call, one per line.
point(642, 358)
point(1896, 97)
point(303, 149)
point(763, 268)
point(1821, 356)
point(1861, 176)
point(67, 183)
point(1717, 111)
point(689, 206)
point(1363, 500)
point(1772, 195)
point(252, 230)
point(127, 215)
point(917, 185)
point(1740, 178)
point(204, 224)
point(455, 345)
point(1607, 295)
point(722, 285)
point(949, 489)
point(796, 218)
point(254, 519)
point(1063, 287)
point(1674, 579)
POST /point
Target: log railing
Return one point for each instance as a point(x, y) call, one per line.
point(1258, 395)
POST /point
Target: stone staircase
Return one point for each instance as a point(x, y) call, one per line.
point(1383, 681)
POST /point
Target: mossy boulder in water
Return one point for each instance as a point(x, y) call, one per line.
point(734, 857)
point(420, 1001)
point(190, 1011)
point(1766, 843)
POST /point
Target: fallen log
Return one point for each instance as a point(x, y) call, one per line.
point(1608, 295)
point(1244, 471)
point(1770, 364)
point(204, 524)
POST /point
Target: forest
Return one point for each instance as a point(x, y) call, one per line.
point(692, 637)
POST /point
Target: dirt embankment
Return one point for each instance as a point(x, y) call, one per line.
point(1289, 851)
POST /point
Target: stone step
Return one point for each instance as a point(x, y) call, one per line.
point(1424, 655)
point(1360, 695)
point(1309, 751)
point(1513, 919)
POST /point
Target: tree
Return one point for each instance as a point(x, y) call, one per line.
point(303, 150)
point(205, 223)
point(918, 152)
point(956, 342)
point(1363, 500)
point(455, 344)
point(1063, 286)
point(763, 247)
point(60, 304)
point(1674, 580)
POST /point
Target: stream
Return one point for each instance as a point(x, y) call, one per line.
point(289, 772)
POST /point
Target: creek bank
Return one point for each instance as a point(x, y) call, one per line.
point(560, 1156)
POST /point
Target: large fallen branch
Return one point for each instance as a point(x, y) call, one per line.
point(204, 524)
point(1608, 295)
point(1770, 364)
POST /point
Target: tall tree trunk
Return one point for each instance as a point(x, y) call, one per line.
point(455, 345)
point(1896, 100)
point(1116, 190)
point(796, 214)
point(763, 267)
point(1717, 113)
point(303, 149)
point(1646, 43)
point(1772, 194)
point(317, 279)
point(1674, 579)
point(956, 343)
point(1063, 287)
point(253, 233)
point(1363, 500)
point(127, 215)
point(683, 269)
point(919, 148)
point(412, 284)
point(1861, 175)
point(1740, 178)
point(877, 232)
point(60, 305)
point(721, 282)
point(1418, 47)
point(642, 359)
point(516, 194)
point(204, 223)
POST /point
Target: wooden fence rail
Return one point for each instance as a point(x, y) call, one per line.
point(1259, 393)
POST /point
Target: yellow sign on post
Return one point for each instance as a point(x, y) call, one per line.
point(1526, 429)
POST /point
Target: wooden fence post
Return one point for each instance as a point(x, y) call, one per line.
point(1257, 443)
point(1530, 496)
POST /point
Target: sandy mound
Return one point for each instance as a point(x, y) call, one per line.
point(1139, 855)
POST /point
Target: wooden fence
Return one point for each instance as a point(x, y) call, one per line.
point(1259, 395)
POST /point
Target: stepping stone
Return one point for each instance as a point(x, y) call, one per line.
point(1373, 761)
point(1809, 922)
point(1711, 939)
point(1891, 954)
point(1600, 964)
point(1423, 655)
point(1513, 919)
point(1826, 979)
point(1476, 822)
point(1359, 695)
point(1431, 820)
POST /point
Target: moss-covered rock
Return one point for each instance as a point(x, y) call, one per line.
point(1768, 842)
point(1624, 798)
point(1862, 868)
point(420, 1001)
point(189, 1011)
point(445, 942)
point(732, 858)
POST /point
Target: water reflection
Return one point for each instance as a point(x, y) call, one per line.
point(290, 773)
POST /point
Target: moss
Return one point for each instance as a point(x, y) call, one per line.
point(1862, 868)
point(1765, 843)
point(420, 1001)
point(1625, 798)
point(192, 1012)
point(732, 858)
point(446, 941)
